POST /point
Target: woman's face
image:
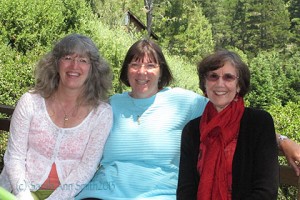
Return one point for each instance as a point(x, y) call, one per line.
point(143, 77)
point(222, 86)
point(73, 71)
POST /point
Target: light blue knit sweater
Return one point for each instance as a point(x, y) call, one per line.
point(141, 155)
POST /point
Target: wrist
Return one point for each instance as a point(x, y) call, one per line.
point(281, 139)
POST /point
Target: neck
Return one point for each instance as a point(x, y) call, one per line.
point(137, 95)
point(67, 96)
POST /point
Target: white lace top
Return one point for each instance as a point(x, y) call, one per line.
point(35, 143)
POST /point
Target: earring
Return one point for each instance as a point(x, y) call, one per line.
point(237, 95)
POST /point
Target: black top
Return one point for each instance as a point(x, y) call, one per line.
point(255, 169)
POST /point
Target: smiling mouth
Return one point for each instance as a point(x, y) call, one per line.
point(73, 74)
point(142, 82)
point(220, 93)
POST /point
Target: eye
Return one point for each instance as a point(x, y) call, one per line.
point(229, 77)
point(212, 77)
point(67, 58)
point(83, 60)
point(151, 66)
point(134, 65)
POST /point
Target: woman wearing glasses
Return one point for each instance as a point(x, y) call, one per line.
point(58, 129)
point(141, 155)
point(230, 152)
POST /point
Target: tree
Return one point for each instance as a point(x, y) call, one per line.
point(260, 24)
point(294, 9)
point(220, 14)
point(183, 29)
point(268, 81)
point(149, 8)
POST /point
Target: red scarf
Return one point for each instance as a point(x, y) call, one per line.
point(217, 130)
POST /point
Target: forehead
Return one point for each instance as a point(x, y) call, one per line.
point(226, 68)
point(144, 58)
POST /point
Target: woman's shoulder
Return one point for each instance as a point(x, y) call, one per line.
point(181, 93)
point(257, 113)
point(31, 98)
point(103, 107)
point(256, 118)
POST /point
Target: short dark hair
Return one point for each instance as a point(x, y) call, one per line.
point(217, 60)
point(99, 80)
point(138, 50)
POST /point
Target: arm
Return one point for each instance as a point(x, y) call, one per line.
point(83, 173)
point(188, 175)
point(264, 168)
point(291, 151)
point(15, 155)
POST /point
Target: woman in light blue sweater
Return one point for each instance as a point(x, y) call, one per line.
point(141, 155)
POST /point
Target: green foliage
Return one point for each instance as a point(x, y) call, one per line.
point(269, 82)
point(196, 41)
point(220, 14)
point(292, 71)
point(260, 25)
point(184, 73)
point(183, 29)
point(26, 24)
point(294, 8)
point(16, 74)
point(113, 45)
point(3, 143)
point(287, 119)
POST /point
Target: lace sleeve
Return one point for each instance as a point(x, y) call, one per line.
point(15, 154)
point(84, 172)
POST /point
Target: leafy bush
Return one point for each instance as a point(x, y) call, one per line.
point(287, 119)
point(26, 24)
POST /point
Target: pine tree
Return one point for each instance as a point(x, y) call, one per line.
point(261, 24)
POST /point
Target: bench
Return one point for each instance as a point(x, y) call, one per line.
point(287, 175)
point(5, 122)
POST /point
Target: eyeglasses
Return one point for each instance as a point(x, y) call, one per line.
point(81, 61)
point(148, 66)
point(226, 77)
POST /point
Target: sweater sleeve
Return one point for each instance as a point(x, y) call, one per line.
point(263, 171)
point(83, 173)
point(188, 175)
point(15, 155)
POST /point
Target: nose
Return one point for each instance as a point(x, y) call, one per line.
point(74, 62)
point(142, 69)
point(220, 81)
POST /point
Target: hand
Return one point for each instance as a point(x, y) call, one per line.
point(291, 151)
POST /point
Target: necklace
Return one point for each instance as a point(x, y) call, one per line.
point(138, 119)
point(140, 106)
point(69, 114)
